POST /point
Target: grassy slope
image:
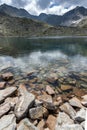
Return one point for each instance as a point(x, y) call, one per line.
point(10, 26)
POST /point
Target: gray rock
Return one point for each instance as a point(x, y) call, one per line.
point(75, 102)
point(38, 112)
point(64, 122)
point(26, 125)
point(6, 93)
point(67, 108)
point(81, 115)
point(83, 124)
point(8, 122)
point(63, 118)
point(7, 76)
point(84, 100)
point(25, 101)
point(70, 127)
point(4, 108)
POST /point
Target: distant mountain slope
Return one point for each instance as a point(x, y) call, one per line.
point(71, 18)
point(83, 23)
point(24, 27)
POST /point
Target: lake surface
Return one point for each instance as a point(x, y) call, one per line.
point(62, 55)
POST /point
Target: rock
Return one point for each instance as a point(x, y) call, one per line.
point(66, 87)
point(50, 106)
point(8, 122)
point(81, 115)
point(64, 122)
point(7, 76)
point(45, 98)
point(62, 119)
point(26, 125)
point(2, 85)
point(84, 85)
point(37, 112)
point(4, 108)
point(83, 124)
point(41, 125)
point(53, 79)
point(75, 102)
point(84, 100)
point(51, 122)
point(6, 93)
point(25, 101)
point(38, 103)
point(67, 108)
point(12, 101)
point(70, 127)
point(49, 90)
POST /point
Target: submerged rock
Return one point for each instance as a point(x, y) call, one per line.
point(25, 101)
point(7, 76)
point(50, 90)
point(66, 87)
point(8, 122)
point(2, 85)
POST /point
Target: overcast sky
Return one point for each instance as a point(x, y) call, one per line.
point(36, 7)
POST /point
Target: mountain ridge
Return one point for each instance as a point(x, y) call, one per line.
point(68, 19)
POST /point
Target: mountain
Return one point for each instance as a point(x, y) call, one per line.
point(71, 18)
point(25, 27)
point(13, 11)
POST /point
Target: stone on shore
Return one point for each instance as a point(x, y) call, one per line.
point(12, 101)
point(81, 115)
point(4, 108)
point(7, 76)
point(70, 127)
point(75, 102)
point(8, 122)
point(51, 122)
point(2, 85)
point(6, 93)
point(67, 108)
point(62, 119)
point(45, 98)
point(25, 124)
point(25, 101)
point(84, 100)
point(41, 125)
point(38, 112)
point(50, 90)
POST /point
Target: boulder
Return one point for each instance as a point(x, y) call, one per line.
point(2, 85)
point(51, 122)
point(45, 98)
point(25, 124)
point(41, 125)
point(6, 93)
point(7, 76)
point(67, 108)
point(75, 102)
point(70, 127)
point(81, 115)
point(49, 90)
point(64, 122)
point(8, 122)
point(4, 108)
point(25, 101)
point(38, 112)
point(84, 100)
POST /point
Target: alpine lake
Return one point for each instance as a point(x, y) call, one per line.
point(53, 61)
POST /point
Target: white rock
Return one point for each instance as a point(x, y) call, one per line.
point(81, 115)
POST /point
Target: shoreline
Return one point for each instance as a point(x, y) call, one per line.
point(41, 104)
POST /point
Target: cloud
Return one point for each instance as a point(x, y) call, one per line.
point(36, 7)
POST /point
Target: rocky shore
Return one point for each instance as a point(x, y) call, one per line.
point(55, 103)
